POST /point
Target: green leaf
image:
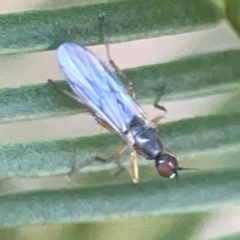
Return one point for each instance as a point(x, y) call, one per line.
point(190, 77)
point(55, 157)
point(83, 196)
point(149, 198)
point(38, 30)
point(229, 237)
point(232, 10)
point(172, 226)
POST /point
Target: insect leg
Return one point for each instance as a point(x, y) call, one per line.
point(157, 119)
point(66, 92)
point(103, 123)
point(133, 168)
point(161, 90)
point(103, 30)
point(115, 155)
point(158, 106)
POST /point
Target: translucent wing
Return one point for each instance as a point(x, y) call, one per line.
point(97, 86)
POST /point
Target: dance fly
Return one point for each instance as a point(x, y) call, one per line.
point(100, 89)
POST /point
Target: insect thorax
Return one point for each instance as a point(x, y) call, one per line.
point(147, 141)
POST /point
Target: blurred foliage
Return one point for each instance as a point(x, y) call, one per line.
point(130, 20)
point(155, 227)
point(232, 11)
point(229, 237)
point(194, 76)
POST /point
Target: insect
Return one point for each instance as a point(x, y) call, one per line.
point(114, 107)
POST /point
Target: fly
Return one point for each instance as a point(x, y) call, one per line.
point(113, 106)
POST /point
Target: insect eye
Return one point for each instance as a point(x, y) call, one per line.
point(165, 169)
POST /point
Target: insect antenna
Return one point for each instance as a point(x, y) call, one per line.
point(183, 169)
point(104, 31)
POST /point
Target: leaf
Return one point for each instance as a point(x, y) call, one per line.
point(232, 10)
point(129, 20)
point(194, 76)
point(79, 194)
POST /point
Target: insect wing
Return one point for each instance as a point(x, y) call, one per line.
point(97, 86)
